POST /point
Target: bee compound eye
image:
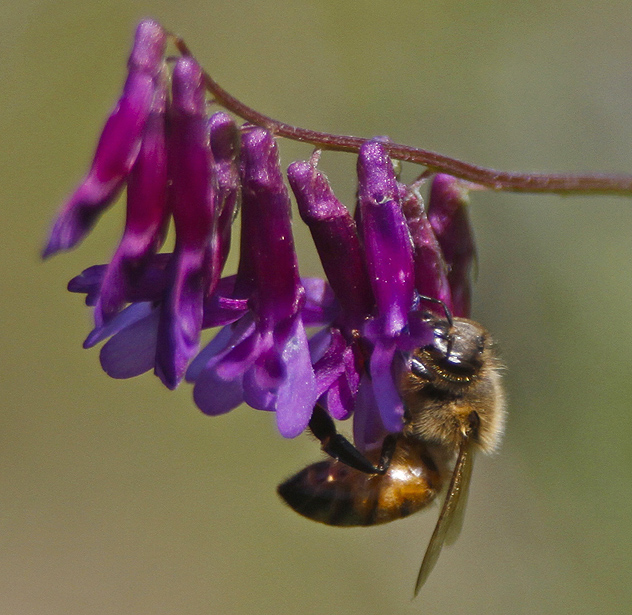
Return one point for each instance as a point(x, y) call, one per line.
point(418, 368)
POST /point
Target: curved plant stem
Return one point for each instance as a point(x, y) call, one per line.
point(561, 183)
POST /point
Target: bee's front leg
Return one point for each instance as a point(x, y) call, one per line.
point(338, 447)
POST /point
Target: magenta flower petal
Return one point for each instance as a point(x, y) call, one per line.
point(266, 215)
point(335, 237)
point(147, 213)
point(181, 318)
point(193, 190)
point(118, 145)
point(386, 238)
point(337, 377)
point(448, 215)
point(240, 358)
point(88, 282)
point(431, 270)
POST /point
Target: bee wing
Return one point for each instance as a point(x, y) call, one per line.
point(451, 517)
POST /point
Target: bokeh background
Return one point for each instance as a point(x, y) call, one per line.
point(122, 498)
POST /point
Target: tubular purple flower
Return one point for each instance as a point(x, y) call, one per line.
point(147, 213)
point(193, 193)
point(386, 238)
point(335, 236)
point(266, 362)
point(118, 145)
point(431, 271)
point(448, 216)
point(266, 215)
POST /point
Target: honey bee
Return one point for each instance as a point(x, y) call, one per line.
point(454, 405)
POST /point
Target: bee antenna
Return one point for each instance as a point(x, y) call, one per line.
point(446, 309)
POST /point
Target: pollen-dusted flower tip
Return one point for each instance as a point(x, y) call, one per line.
point(265, 359)
point(149, 47)
point(431, 270)
point(118, 145)
point(385, 236)
point(192, 196)
point(147, 214)
point(448, 216)
point(336, 239)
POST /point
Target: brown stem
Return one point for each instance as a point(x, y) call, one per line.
point(561, 183)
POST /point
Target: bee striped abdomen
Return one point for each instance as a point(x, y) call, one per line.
point(335, 494)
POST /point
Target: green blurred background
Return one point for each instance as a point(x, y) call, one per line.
point(122, 498)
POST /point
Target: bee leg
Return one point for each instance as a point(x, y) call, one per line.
point(338, 447)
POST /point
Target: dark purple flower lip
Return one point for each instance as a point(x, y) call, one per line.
point(284, 342)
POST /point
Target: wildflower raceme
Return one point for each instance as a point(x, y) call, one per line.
point(384, 263)
point(178, 163)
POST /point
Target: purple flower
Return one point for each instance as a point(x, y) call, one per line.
point(147, 213)
point(265, 361)
point(336, 239)
point(150, 307)
point(119, 144)
point(386, 237)
point(431, 269)
point(447, 213)
point(193, 194)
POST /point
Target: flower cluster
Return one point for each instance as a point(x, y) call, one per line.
point(178, 163)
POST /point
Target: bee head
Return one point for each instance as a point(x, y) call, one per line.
point(456, 353)
point(458, 346)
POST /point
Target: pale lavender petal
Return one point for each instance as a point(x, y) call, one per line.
point(213, 348)
point(124, 319)
point(338, 400)
point(297, 395)
point(131, 352)
point(215, 396)
point(319, 343)
point(240, 358)
point(89, 282)
point(181, 319)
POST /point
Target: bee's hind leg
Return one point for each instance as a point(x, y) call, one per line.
point(338, 447)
